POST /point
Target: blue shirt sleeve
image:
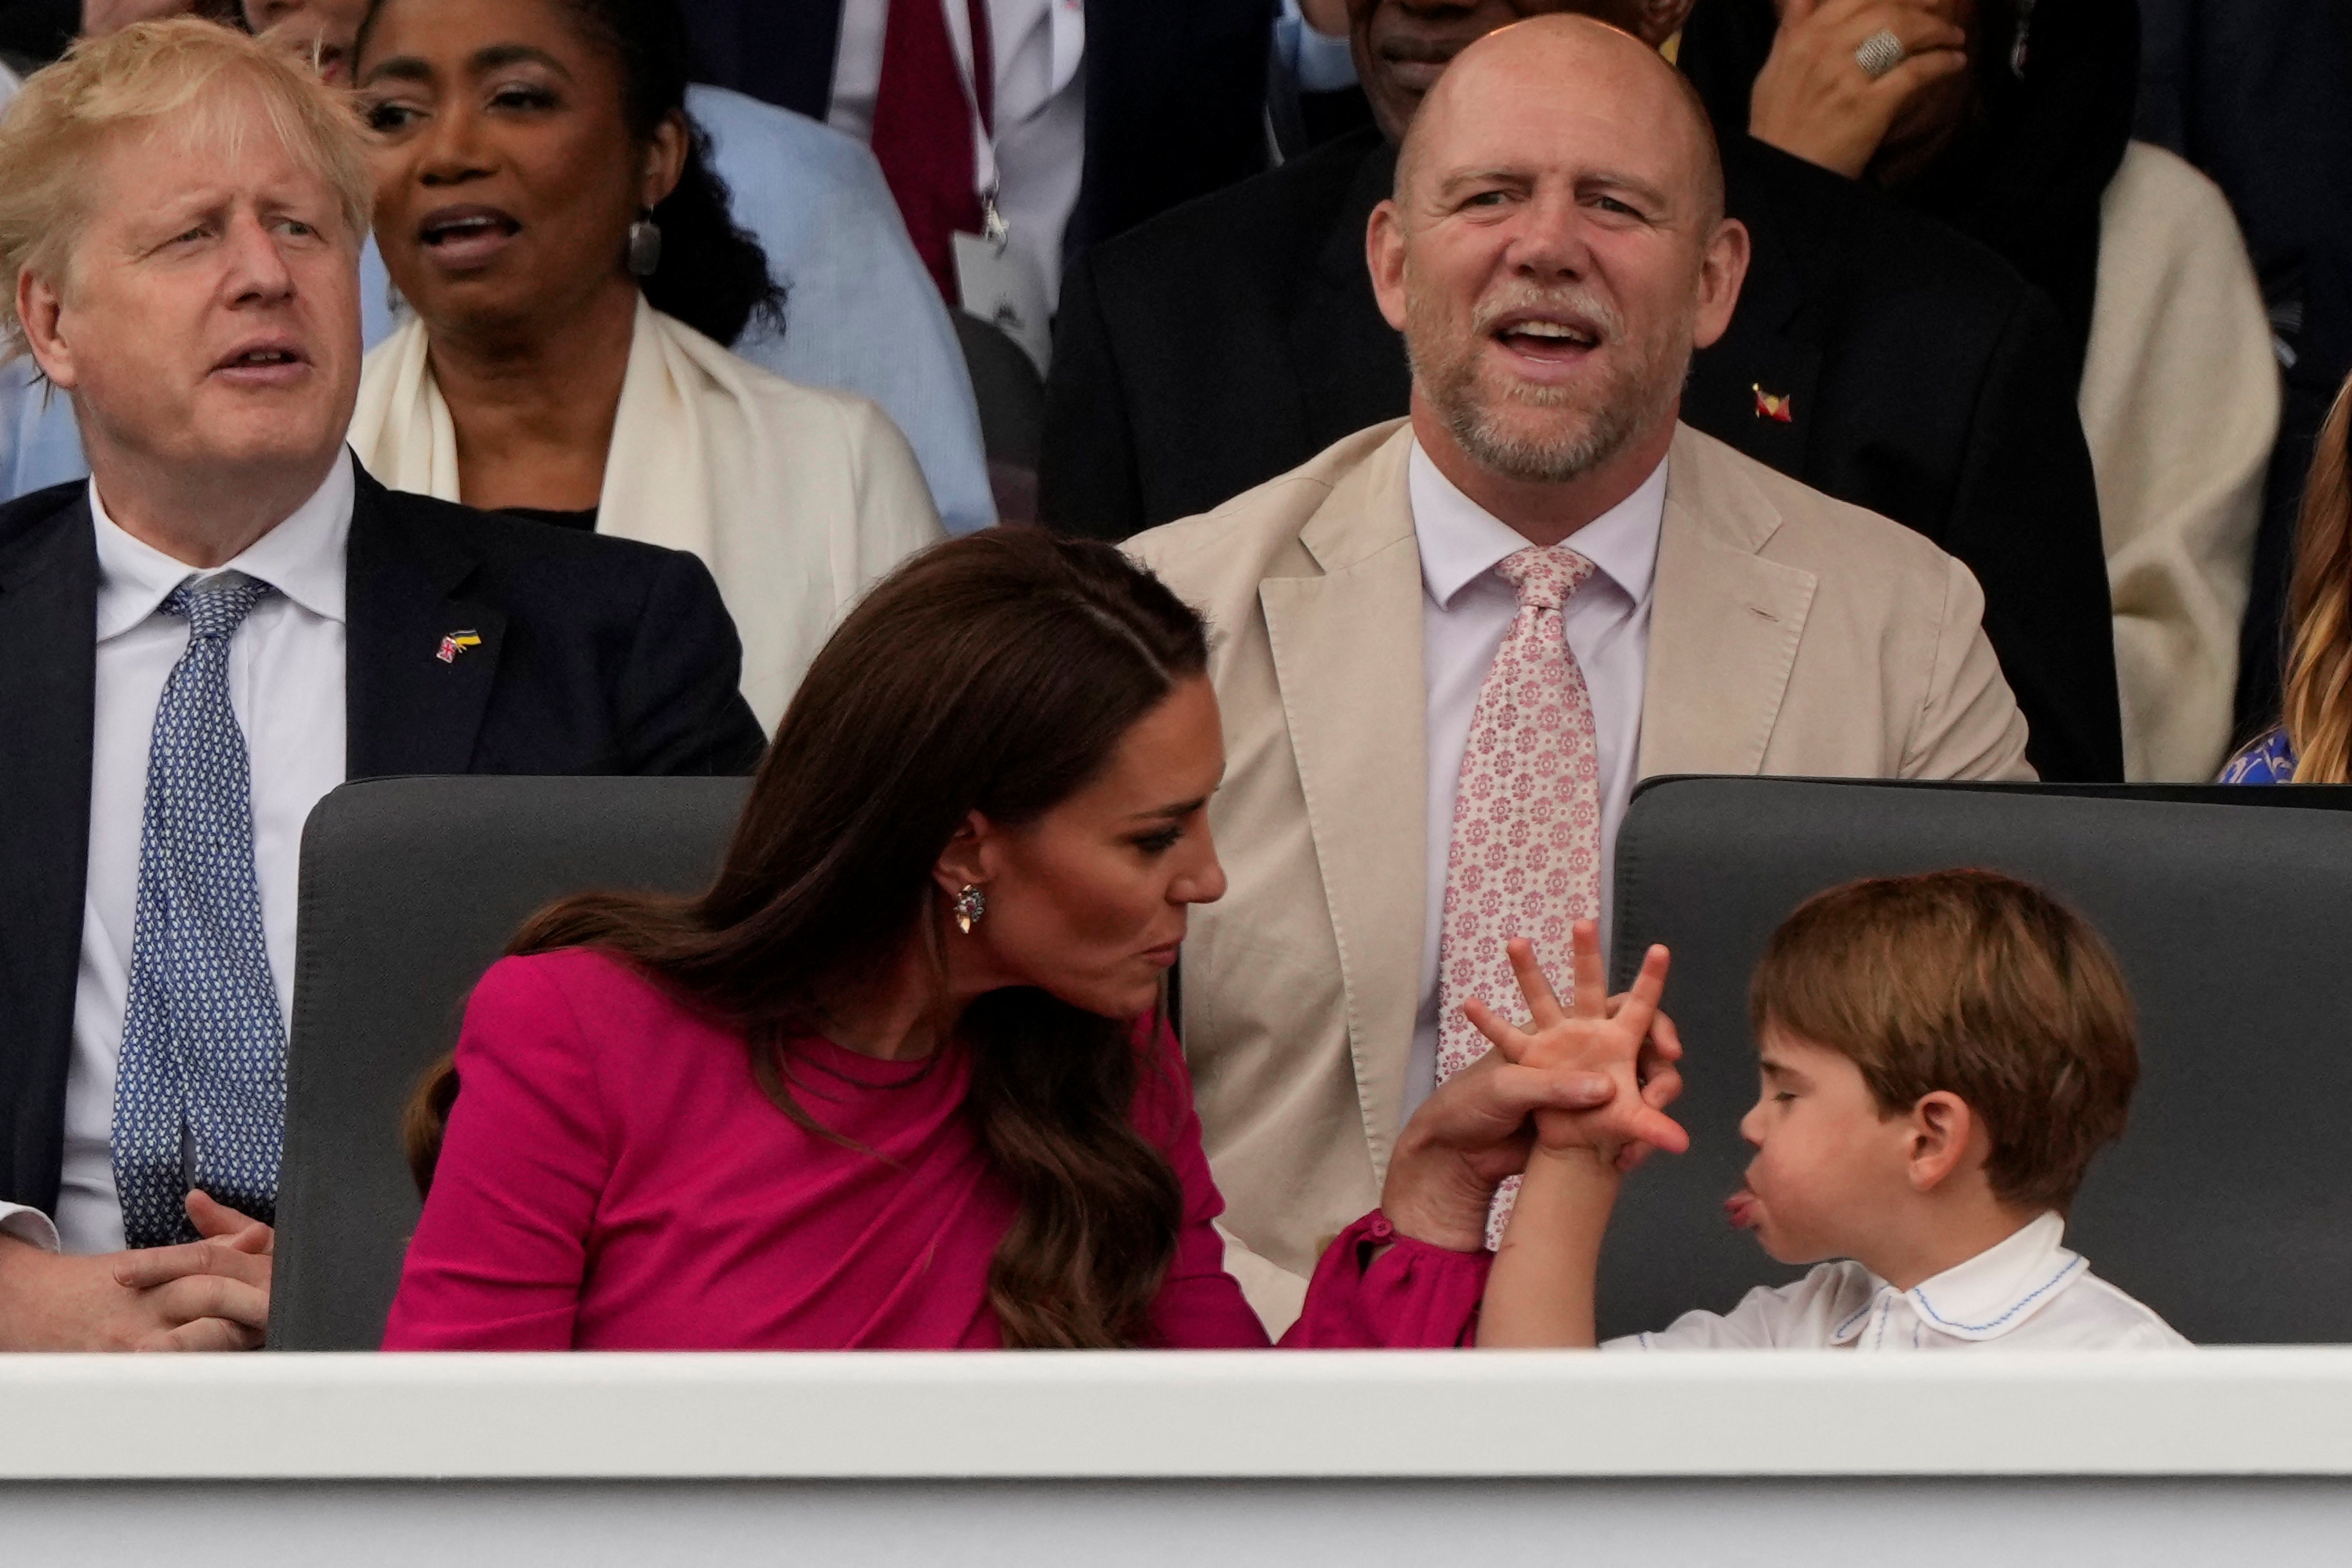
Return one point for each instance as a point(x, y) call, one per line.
point(860, 312)
point(2267, 760)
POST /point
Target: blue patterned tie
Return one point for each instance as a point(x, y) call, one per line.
point(203, 1069)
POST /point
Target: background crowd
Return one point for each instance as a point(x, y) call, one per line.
point(1941, 389)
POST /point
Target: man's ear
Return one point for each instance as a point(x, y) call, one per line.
point(1943, 1136)
point(1659, 20)
point(970, 858)
point(40, 307)
point(1384, 254)
point(1722, 268)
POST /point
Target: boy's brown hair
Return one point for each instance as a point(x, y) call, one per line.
point(1975, 984)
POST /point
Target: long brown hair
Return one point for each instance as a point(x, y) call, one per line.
point(994, 673)
point(2317, 704)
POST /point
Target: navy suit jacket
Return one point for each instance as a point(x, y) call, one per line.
point(1176, 90)
point(598, 656)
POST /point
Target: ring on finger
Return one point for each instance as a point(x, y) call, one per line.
point(1880, 53)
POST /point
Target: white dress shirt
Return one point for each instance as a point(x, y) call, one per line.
point(2027, 1293)
point(1467, 609)
point(286, 687)
point(1039, 150)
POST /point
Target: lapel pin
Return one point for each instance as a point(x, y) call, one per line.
point(457, 643)
point(1775, 406)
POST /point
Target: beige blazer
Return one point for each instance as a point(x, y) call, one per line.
point(1789, 633)
point(2181, 404)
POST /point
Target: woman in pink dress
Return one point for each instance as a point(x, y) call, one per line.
point(901, 1079)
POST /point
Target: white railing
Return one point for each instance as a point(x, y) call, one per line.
point(2214, 1412)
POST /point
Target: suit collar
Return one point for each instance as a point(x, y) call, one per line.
point(1347, 653)
point(1368, 510)
point(302, 557)
point(1770, 357)
point(1725, 621)
point(421, 653)
point(1460, 541)
point(48, 593)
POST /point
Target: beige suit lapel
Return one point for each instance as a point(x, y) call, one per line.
point(1724, 621)
point(1347, 656)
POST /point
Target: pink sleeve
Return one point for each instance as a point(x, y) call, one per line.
point(1200, 1306)
point(1413, 1295)
point(498, 1259)
point(1410, 1296)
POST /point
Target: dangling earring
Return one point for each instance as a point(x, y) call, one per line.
point(970, 905)
point(645, 245)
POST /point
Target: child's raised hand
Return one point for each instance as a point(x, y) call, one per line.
point(1587, 1038)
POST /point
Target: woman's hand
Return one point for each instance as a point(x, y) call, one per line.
point(1593, 1038)
point(1476, 1129)
point(1814, 100)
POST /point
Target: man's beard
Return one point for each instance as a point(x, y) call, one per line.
point(1641, 390)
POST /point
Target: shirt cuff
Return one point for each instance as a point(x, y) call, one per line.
point(1317, 61)
point(29, 1225)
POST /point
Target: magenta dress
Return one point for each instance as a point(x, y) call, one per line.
point(613, 1178)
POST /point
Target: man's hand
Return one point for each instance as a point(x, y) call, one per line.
point(1602, 1036)
point(1814, 100)
point(100, 17)
point(211, 1294)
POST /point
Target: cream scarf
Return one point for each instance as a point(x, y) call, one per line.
point(787, 493)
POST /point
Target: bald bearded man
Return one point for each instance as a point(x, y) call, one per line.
point(1453, 636)
point(1876, 356)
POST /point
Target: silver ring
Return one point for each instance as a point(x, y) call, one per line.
point(1880, 53)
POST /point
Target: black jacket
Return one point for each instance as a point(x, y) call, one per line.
point(598, 656)
point(2258, 93)
point(1229, 342)
point(1176, 90)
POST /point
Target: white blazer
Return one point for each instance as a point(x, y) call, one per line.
point(797, 499)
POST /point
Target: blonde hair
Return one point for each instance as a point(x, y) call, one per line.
point(152, 74)
point(2317, 705)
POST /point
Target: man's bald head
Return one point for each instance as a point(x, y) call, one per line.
point(1555, 251)
point(1581, 66)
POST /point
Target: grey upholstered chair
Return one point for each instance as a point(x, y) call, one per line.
point(410, 889)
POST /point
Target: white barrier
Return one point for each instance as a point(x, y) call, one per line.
point(1198, 1458)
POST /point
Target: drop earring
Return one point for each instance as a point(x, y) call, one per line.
point(970, 905)
point(645, 245)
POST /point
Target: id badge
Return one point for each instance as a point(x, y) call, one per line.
point(1002, 285)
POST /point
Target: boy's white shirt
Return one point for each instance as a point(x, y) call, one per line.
point(2027, 1292)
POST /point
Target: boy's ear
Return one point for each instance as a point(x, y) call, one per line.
point(969, 859)
point(1943, 1136)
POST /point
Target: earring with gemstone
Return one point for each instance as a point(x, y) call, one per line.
point(970, 905)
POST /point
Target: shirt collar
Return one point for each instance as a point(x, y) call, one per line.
point(1992, 1292)
point(1460, 539)
point(302, 558)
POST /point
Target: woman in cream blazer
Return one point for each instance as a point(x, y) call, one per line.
point(551, 221)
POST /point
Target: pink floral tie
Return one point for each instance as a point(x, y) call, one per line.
point(1525, 859)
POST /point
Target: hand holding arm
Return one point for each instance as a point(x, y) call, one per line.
point(1541, 1291)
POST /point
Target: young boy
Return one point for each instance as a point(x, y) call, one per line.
point(1941, 1055)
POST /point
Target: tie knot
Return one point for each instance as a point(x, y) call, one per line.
point(216, 607)
point(1544, 578)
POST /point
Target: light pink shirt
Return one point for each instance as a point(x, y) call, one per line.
point(1467, 609)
